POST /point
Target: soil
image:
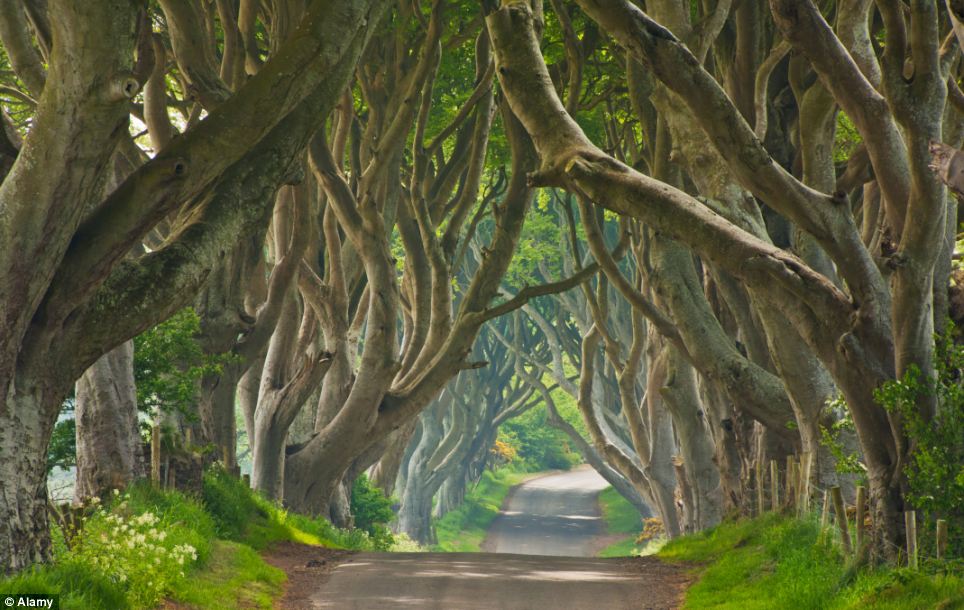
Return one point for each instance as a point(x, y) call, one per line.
point(308, 567)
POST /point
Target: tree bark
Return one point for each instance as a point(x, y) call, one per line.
point(109, 445)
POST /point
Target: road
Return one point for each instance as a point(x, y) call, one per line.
point(548, 517)
point(553, 515)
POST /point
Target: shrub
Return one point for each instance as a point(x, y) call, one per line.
point(935, 472)
point(183, 517)
point(372, 512)
point(369, 505)
point(169, 362)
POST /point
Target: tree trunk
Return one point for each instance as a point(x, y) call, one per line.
point(267, 459)
point(216, 408)
point(451, 494)
point(339, 508)
point(385, 472)
point(26, 424)
point(109, 452)
point(682, 400)
point(589, 453)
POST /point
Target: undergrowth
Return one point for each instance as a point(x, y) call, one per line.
point(773, 562)
point(147, 544)
point(620, 517)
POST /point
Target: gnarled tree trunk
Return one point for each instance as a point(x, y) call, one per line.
point(109, 446)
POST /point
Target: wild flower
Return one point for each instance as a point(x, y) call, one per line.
point(134, 549)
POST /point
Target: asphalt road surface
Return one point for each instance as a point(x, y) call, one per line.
point(553, 515)
point(546, 518)
point(477, 581)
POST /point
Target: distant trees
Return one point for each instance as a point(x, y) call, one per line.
point(845, 277)
point(740, 196)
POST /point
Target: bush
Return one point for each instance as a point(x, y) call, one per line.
point(935, 472)
point(183, 517)
point(130, 553)
point(371, 509)
point(169, 362)
point(143, 545)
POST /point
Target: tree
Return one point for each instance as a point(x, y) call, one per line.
point(866, 321)
point(71, 292)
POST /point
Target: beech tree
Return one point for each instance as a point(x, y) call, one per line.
point(339, 190)
point(71, 292)
point(397, 338)
point(456, 432)
point(863, 303)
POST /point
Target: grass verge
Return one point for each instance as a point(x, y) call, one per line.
point(234, 572)
point(463, 530)
point(147, 545)
point(773, 562)
point(621, 518)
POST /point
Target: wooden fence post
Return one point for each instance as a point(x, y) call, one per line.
point(910, 525)
point(803, 485)
point(759, 487)
point(825, 512)
point(941, 538)
point(859, 524)
point(774, 486)
point(791, 477)
point(156, 455)
point(840, 513)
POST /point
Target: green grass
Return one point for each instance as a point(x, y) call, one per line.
point(620, 517)
point(243, 516)
point(227, 525)
point(775, 563)
point(463, 530)
point(236, 577)
point(79, 587)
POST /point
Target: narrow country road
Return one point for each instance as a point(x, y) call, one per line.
point(553, 520)
point(553, 515)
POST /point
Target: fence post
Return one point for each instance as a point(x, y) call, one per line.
point(791, 469)
point(156, 455)
point(226, 458)
point(803, 486)
point(859, 524)
point(840, 513)
point(759, 487)
point(910, 525)
point(825, 513)
point(774, 486)
point(941, 538)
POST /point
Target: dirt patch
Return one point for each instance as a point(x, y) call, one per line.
point(605, 541)
point(307, 568)
point(666, 583)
